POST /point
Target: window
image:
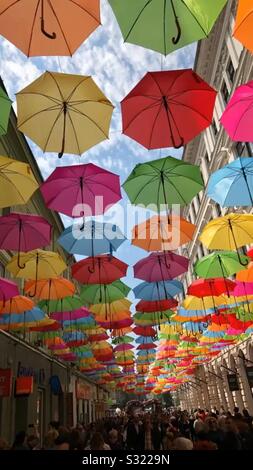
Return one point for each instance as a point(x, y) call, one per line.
point(218, 210)
point(199, 198)
point(243, 149)
point(224, 92)
point(214, 128)
point(231, 71)
point(201, 251)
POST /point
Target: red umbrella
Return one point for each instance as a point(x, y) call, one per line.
point(156, 305)
point(160, 266)
point(211, 287)
point(144, 331)
point(250, 252)
point(146, 346)
point(102, 269)
point(168, 109)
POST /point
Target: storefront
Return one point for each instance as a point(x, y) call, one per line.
point(84, 401)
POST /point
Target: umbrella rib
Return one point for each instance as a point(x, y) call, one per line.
point(9, 6)
point(201, 27)
point(52, 129)
point(74, 110)
point(150, 106)
point(176, 189)
point(87, 77)
point(57, 85)
point(50, 98)
point(137, 19)
point(52, 108)
point(13, 184)
point(74, 130)
point(59, 24)
point(241, 23)
point(85, 10)
point(241, 117)
point(176, 103)
point(154, 123)
point(32, 29)
point(144, 187)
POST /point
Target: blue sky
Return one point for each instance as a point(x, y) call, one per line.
point(116, 68)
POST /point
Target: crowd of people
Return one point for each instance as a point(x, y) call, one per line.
point(169, 430)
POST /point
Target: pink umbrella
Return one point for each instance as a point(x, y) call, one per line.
point(238, 115)
point(71, 316)
point(24, 232)
point(160, 266)
point(8, 289)
point(123, 347)
point(116, 325)
point(81, 190)
point(243, 288)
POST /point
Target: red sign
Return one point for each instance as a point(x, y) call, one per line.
point(24, 385)
point(83, 391)
point(5, 382)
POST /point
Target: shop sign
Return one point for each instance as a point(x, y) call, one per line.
point(249, 372)
point(55, 384)
point(83, 391)
point(37, 374)
point(24, 385)
point(233, 382)
point(5, 382)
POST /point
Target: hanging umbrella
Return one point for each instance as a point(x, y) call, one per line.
point(8, 289)
point(50, 289)
point(156, 305)
point(45, 28)
point(211, 287)
point(102, 269)
point(243, 24)
point(158, 233)
point(70, 316)
point(93, 239)
point(22, 320)
point(238, 114)
point(123, 347)
point(165, 109)
point(122, 339)
point(160, 267)
point(64, 113)
point(98, 334)
point(219, 264)
point(145, 331)
point(153, 291)
point(163, 182)
point(81, 190)
point(74, 339)
point(210, 302)
point(173, 24)
point(36, 264)
point(17, 182)
point(66, 304)
point(24, 232)
point(96, 293)
point(229, 232)
point(232, 185)
point(17, 304)
point(113, 307)
point(5, 108)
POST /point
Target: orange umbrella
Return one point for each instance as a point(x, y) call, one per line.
point(246, 275)
point(50, 289)
point(48, 28)
point(244, 23)
point(162, 233)
point(17, 304)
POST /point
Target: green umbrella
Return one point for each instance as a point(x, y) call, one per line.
point(5, 108)
point(61, 305)
point(122, 339)
point(220, 264)
point(104, 293)
point(166, 25)
point(165, 181)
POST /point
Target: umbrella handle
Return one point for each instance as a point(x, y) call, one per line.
point(174, 143)
point(42, 24)
point(176, 39)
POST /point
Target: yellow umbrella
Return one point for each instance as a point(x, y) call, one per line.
point(117, 306)
point(195, 303)
point(36, 264)
point(64, 113)
point(16, 181)
point(229, 232)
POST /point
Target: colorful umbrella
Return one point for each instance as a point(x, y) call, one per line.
point(232, 185)
point(156, 305)
point(64, 113)
point(160, 267)
point(211, 287)
point(5, 108)
point(173, 24)
point(17, 182)
point(238, 114)
point(103, 293)
point(81, 190)
point(70, 315)
point(24, 232)
point(50, 289)
point(102, 269)
point(64, 304)
point(219, 264)
point(229, 232)
point(92, 239)
point(113, 307)
point(243, 24)
point(165, 109)
point(36, 264)
point(17, 304)
point(153, 291)
point(45, 28)
point(8, 289)
point(159, 233)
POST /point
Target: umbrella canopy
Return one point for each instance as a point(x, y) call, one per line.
point(50, 289)
point(243, 24)
point(219, 264)
point(102, 269)
point(173, 24)
point(211, 287)
point(232, 185)
point(238, 114)
point(64, 113)
point(145, 331)
point(153, 291)
point(42, 28)
point(156, 305)
point(92, 239)
point(5, 108)
point(8, 289)
point(101, 309)
point(71, 315)
point(245, 275)
point(23, 319)
point(160, 266)
point(103, 293)
point(17, 304)
point(229, 232)
point(36, 264)
point(164, 181)
point(64, 304)
point(159, 233)
point(165, 109)
point(17, 182)
point(81, 190)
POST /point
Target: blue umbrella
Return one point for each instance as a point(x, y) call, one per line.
point(144, 339)
point(158, 290)
point(91, 239)
point(233, 185)
point(29, 316)
point(194, 327)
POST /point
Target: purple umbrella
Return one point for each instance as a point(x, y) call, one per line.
point(8, 289)
point(160, 266)
point(24, 232)
point(71, 316)
point(88, 186)
point(238, 115)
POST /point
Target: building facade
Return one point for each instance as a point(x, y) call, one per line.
point(224, 64)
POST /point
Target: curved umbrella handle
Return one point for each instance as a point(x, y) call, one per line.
point(176, 39)
point(174, 142)
point(42, 24)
